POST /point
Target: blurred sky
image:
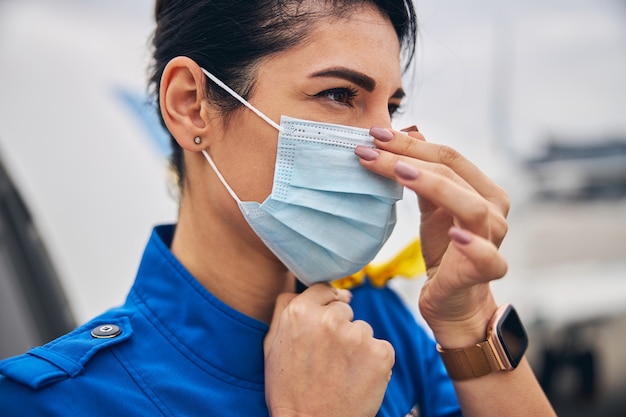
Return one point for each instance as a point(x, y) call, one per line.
point(513, 73)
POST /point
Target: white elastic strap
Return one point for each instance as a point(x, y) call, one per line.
point(221, 177)
point(241, 99)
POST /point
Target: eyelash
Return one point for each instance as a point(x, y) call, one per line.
point(351, 93)
point(395, 109)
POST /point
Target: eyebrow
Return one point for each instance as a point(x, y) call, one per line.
point(362, 80)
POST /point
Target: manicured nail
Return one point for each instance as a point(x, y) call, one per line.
point(459, 235)
point(410, 129)
point(381, 134)
point(366, 153)
point(405, 171)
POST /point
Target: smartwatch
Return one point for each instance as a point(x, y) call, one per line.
point(502, 351)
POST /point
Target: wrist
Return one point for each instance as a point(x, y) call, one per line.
point(502, 350)
point(452, 334)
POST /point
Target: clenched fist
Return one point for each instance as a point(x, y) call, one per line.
point(319, 362)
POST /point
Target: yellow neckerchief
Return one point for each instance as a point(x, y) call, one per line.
point(408, 263)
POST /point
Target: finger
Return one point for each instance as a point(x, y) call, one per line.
point(381, 351)
point(484, 262)
point(438, 186)
point(282, 301)
point(409, 129)
point(469, 209)
point(385, 353)
point(363, 328)
point(337, 313)
point(382, 162)
point(323, 294)
point(414, 132)
point(407, 145)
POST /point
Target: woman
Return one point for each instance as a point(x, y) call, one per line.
point(262, 100)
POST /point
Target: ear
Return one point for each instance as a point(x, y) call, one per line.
point(182, 103)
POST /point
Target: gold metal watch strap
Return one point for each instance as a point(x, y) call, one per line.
point(470, 362)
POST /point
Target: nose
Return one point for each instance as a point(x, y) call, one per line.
point(378, 117)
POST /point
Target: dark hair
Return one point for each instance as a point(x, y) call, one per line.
point(229, 38)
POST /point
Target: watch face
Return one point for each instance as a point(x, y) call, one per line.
point(512, 336)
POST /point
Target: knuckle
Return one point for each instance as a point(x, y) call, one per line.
point(385, 353)
point(363, 328)
point(297, 310)
point(447, 155)
point(504, 267)
point(505, 205)
point(500, 229)
point(335, 314)
point(443, 171)
point(329, 320)
point(391, 162)
point(498, 269)
point(480, 211)
point(407, 146)
point(502, 201)
point(378, 351)
point(494, 265)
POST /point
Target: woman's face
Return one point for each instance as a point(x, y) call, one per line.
point(347, 72)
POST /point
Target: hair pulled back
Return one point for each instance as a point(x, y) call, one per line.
point(230, 37)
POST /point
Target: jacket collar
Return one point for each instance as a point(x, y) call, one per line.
point(187, 314)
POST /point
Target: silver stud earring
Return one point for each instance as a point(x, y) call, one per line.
point(197, 140)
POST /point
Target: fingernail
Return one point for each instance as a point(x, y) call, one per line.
point(381, 134)
point(410, 129)
point(366, 153)
point(345, 295)
point(405, 171)
point(459, 235)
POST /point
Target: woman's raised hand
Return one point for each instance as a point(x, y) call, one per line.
point(463, 222)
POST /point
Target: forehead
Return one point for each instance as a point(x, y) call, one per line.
point(363, 40)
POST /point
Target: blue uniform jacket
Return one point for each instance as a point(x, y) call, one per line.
point(173, 349)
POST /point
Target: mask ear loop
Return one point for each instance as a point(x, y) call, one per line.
point(251, 107)
point(241, 100)
point(223, 180)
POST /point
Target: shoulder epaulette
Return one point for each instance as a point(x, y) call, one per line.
point(66, 356)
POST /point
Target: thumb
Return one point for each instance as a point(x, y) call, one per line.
point(414, 132)
point(282, 301)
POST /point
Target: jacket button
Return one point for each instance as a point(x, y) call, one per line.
point(106, 331)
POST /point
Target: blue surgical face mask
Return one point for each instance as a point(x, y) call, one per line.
point(327, 216)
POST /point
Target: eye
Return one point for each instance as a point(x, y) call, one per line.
point(341, 95)
point(394, 109)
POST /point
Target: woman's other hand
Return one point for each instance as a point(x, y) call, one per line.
point(319, 362)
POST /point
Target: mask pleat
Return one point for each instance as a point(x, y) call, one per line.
point(355, 242)
point(311, 262)
point(362, 208)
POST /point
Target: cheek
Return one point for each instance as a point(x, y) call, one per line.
point(251, 164)
point(259, 175)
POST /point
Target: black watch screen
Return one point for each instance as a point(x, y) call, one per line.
point(512, 336)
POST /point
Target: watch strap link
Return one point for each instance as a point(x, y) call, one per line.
point(470, 362)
